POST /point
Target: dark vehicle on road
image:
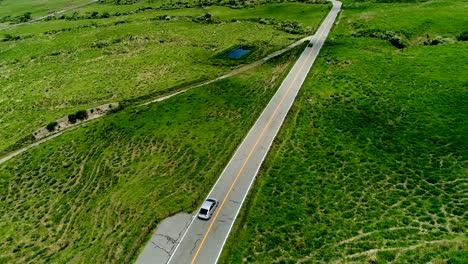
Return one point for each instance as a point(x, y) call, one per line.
point(310, 44)
point(207, 208)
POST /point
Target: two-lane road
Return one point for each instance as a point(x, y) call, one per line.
point(203, 241)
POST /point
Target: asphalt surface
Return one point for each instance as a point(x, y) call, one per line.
point(203, 241)
point(160, 99)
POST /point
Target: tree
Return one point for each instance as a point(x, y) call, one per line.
point(51, 126)
point(25, 17)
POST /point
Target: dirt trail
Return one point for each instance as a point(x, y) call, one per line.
point(236, 71)
point(49, 15)
point(159, 99)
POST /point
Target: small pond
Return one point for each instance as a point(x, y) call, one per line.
point(238, 52)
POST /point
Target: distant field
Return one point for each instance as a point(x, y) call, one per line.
point(372, 163)
point(94, 194)
point(37, 8)
point(308, 14)
point(57, 67)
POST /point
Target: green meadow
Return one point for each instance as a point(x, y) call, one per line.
point(96, 193)
point(371, 164)
point(53, 68)
point(12, 11)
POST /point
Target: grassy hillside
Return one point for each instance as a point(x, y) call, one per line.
point(54, 68)
point(13, 11)
point(96, 193)
point(371, 165)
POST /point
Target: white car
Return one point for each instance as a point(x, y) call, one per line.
point(207, 208)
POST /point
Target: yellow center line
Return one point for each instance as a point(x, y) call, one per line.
point(250, 154)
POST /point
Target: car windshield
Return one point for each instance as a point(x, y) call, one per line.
point(203, 211)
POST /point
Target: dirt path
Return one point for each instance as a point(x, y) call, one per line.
point(236, 71)
point(49, 15)
point(160, 99)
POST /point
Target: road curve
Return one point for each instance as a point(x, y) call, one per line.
point(203, 241)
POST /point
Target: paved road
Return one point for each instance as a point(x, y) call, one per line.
point(204, 240)
point(160, 99)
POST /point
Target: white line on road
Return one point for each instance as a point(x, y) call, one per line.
point(299, 70)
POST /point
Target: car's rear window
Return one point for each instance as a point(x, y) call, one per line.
point(203, 211)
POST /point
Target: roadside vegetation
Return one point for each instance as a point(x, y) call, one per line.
point(371, 165)
point(96, 193)
point(93, 56)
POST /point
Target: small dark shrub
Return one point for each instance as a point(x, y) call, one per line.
point(94, 14)
point(81, 115)
point(25, 17)
point(99, 45)
point(463, 36)
point(9, 37)
point(51, 126)
point(206, 18)
point(436, 41)
point(105, 15)
point(72, 119)
point(115, 110)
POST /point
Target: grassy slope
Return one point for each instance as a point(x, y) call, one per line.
point(371, 165)
point(308, 14)
point(36, 7)
point(95, 193)
point(47, 76)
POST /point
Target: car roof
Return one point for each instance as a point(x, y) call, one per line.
point(207, 203)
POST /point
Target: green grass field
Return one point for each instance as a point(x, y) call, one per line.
point(58, 67)
point(371, 165)
point(96, 193)
point(308, 14)
point(37, 8)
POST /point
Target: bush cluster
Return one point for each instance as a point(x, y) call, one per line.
point(51, 126)
point(463, 36)
point(206, 18)
point(291, 27)
point(229, 3)
point(394, 38)
point(17, 19)
point(79, 115)
point(8, 37)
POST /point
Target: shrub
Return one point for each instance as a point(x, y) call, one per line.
point(105, 15)
point(72, 119)
point(81, 115)
point(51, 126)
point(115, 110)
point(25, 17)
point(99, 44)
point(5, 19)
point(463, 36)
point(94, 14)
point(398, 41)
point(8, 37)
point(206, 18)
